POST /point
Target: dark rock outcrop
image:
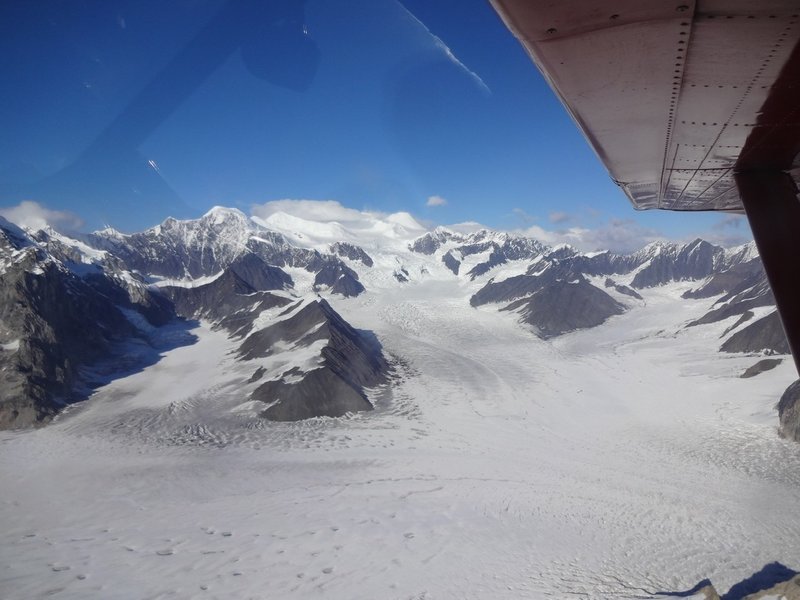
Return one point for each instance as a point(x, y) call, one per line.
point(340, 278)
point(502, 248)
point(746, 316)
point(766, 364)
point(60, 324)
point(320, 393)
point(54, 323)
point(538, 276)
point(451, 262)
point(789, 412)
point(766, 334)
point(401, 275)
point(693, 261)
point(772, 581)
point(347, 250)
point(731, 281)
point(496, 258)
point(622, 289)
point(257, 375)
point(430, 242)
point(350, 361)
point(566, 306)
point(228, 301)
point(259, 275)
point(301, 329)
point(508, 289)
point(750, 291)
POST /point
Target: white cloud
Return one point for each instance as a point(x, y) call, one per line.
point(617, 235)
point(34, 216)
point(621, 235)
point(541, 234)
point(311, 223)
point(626, 235)
point(525, 217)
point(364, 226)
point(730, 221)
point(559, 217)
point(466, 227)
point(324, 211)
point(730, 230)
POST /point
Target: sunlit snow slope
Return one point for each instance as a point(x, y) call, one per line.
point(618, 461)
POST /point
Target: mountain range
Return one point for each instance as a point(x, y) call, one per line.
point(79, 310)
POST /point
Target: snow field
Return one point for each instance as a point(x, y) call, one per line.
point(610, 463)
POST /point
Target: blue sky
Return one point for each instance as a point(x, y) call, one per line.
point(409, 101)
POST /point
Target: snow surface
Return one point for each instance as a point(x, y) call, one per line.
point(615, 462)
point(186, 282)
point(609, 463)
point(11, 346)
point(311, 224)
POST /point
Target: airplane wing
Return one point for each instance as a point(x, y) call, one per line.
point(690, 104)
point(674, 96)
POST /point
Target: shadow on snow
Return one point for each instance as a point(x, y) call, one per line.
point(769, 576)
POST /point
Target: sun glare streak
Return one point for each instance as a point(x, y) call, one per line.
point(447, 52)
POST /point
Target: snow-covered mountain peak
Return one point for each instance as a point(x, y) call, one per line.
point(331, 241)
point(14, 244)
point(563, 251)
point(110, 233)
point(741, 254)
point(229, 223)
point(219, 223)
point(405, 221)
point(220, 216)
point(596, 253)
point(45, 229)
point(443, 231)
point(483, 235)
point(431, 241)
point(304, 232)
point(13, 234)
point(656, 248)
point(694, 247)
point(319, 230)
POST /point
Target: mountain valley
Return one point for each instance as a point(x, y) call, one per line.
point(69, 300)
point(301, 405)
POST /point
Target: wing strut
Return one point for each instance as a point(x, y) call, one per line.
point(770, 200)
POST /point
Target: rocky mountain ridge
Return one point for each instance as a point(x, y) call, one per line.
point(68, 301)
point(57, 316)
point(68, 304)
